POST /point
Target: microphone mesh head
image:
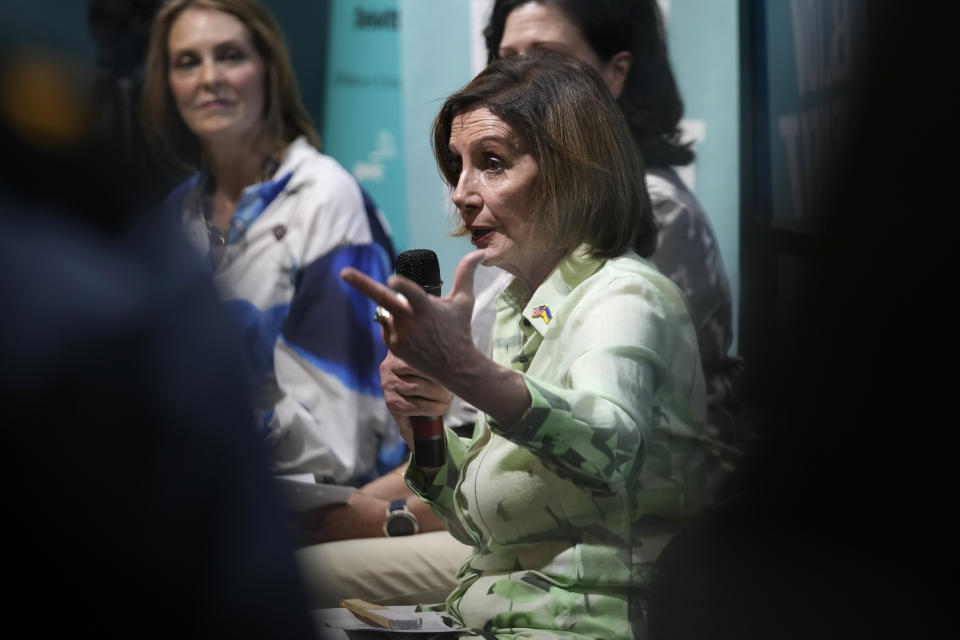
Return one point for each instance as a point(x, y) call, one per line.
point(421, 266)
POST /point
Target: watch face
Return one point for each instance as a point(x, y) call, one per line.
point(400, 525)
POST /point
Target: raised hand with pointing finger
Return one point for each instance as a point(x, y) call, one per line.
point(433, 335)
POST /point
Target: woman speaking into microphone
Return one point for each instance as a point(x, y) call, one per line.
point(585, 456)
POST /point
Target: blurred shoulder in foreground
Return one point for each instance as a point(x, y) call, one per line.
point(840, 525)
point(138, 501)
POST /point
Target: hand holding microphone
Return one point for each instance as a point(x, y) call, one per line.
point(429, 444)
point(412, 398)
point(430, 334)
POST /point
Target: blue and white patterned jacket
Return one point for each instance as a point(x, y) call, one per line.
point(312, 348)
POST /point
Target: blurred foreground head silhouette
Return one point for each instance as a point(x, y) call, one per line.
point(138, 501)
point(840, 526)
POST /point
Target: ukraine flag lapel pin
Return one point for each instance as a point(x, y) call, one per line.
point(543, 311)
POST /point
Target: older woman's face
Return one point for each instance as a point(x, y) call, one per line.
point(495, 194)
point(216, 75)
point(537, 25)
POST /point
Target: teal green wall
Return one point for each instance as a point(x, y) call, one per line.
point(435, 63)
point(304, 25)
point(363, 123)
point(704, 48)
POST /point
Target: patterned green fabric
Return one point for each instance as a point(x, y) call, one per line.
point(568, 508)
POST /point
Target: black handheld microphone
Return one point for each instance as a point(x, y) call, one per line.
point(429, 445)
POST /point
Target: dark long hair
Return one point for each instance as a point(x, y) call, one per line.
point(650, 99)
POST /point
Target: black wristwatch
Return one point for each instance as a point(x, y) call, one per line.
point(400, 521)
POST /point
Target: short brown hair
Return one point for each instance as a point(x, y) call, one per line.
point(590, 188)
point(284, 115)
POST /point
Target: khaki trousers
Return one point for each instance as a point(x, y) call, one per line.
point(417, 569)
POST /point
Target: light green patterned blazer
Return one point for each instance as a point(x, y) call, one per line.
point(568, 508)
